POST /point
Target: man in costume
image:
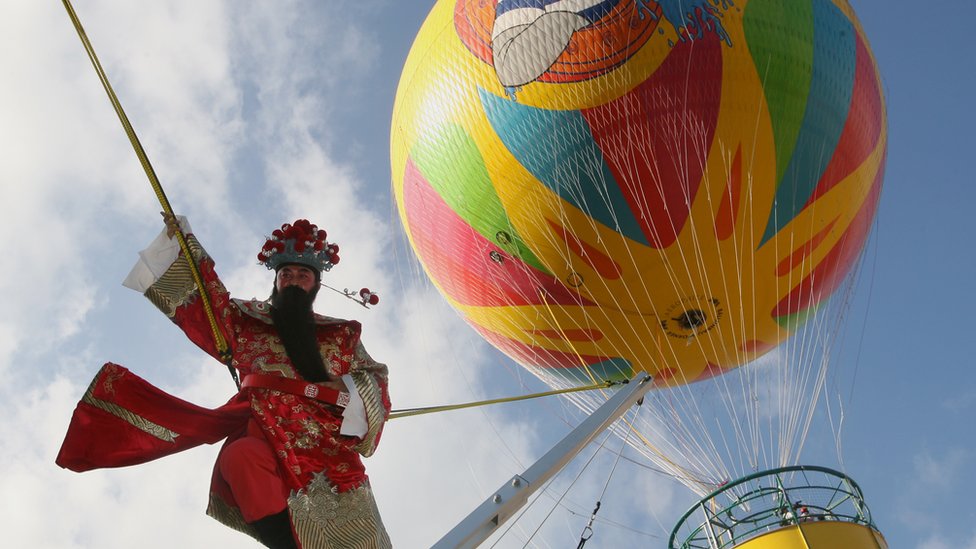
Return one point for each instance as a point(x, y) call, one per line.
point(311, 401)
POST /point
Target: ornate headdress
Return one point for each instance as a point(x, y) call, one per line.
point(299, 243)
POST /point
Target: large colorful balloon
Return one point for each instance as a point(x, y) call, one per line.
point(607, 186)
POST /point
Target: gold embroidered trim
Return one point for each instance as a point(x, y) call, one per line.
point(112, 374)
point(325, 518)
point(261, 364)
point(229, 516)
point(176, 287)
point(135, 420)
point(364, 370)
point(372, 400)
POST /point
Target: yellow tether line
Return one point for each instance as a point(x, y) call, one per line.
point(219, 341)
point(433, 409)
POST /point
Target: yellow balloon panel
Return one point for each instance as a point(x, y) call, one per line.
point(630, 185)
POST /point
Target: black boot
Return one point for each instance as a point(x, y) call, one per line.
point(274, 531)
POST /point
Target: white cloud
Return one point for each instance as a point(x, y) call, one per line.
point(40, 206)
point(962, 402)
point(170, 66)
point(71, 183)
point(111, 508)
point(940, 542)
point(935, 476)
point(939, 472)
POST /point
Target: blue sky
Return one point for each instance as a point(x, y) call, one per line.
point(254, 114)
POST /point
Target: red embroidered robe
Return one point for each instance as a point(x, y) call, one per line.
point(123, 420)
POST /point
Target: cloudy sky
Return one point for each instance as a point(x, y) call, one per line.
point(255, 113)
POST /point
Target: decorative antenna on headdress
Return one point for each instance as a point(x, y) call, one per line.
point(364, 297)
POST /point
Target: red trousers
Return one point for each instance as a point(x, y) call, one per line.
point(250, 468)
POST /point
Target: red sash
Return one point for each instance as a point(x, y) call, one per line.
point(297, 387)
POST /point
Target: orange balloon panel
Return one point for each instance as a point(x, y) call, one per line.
point(620, 185)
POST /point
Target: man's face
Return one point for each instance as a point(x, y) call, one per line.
point(295, 275)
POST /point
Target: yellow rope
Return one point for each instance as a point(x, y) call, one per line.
point(219, 341)
point(433, 409)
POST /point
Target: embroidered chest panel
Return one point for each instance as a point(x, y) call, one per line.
point(259, 349)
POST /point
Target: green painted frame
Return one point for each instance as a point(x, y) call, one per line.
point(767, 501)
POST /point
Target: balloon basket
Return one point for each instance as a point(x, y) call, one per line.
point(790, 507)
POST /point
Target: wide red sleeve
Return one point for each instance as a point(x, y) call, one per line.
point(124, 420)
point(177, 294)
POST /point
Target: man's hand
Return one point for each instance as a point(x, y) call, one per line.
point(172, 224)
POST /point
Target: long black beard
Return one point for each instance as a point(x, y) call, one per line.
point(291, 310)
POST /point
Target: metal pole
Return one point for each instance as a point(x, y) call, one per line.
point(512, 496)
